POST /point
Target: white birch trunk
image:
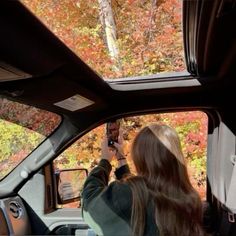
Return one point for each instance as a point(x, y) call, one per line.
point(108, 23)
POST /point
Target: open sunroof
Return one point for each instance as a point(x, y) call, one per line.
point(126, 38)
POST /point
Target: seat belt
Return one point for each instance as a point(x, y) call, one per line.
point(228, 216)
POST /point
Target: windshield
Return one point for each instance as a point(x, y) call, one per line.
point(118, 39)
point(22, 129)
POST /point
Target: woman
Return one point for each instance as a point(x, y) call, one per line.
point(159, 200)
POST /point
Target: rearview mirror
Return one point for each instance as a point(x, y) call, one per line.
point(70, 184)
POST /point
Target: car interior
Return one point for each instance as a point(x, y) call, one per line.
point(39, 72)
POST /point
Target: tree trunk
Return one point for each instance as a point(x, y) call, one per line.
point(109, 26)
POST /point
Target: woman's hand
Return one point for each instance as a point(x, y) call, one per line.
point(107, 152)
point(120, 156)
point(119, 146)
point(119, 151)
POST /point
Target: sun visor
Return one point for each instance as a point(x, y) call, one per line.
point(9, 73)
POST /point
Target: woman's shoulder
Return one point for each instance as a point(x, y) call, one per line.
point(118, 196)
point(120, 192)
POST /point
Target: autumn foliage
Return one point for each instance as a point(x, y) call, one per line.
point(146, 35)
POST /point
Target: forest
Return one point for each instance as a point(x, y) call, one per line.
point(118, 38)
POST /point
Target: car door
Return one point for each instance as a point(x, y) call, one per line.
point(54, 217)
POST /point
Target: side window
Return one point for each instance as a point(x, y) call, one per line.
point(22, 129)
point(192, 130)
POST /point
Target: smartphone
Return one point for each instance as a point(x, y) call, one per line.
point(112, 131)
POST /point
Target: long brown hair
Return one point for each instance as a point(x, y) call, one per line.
point(163, 179)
